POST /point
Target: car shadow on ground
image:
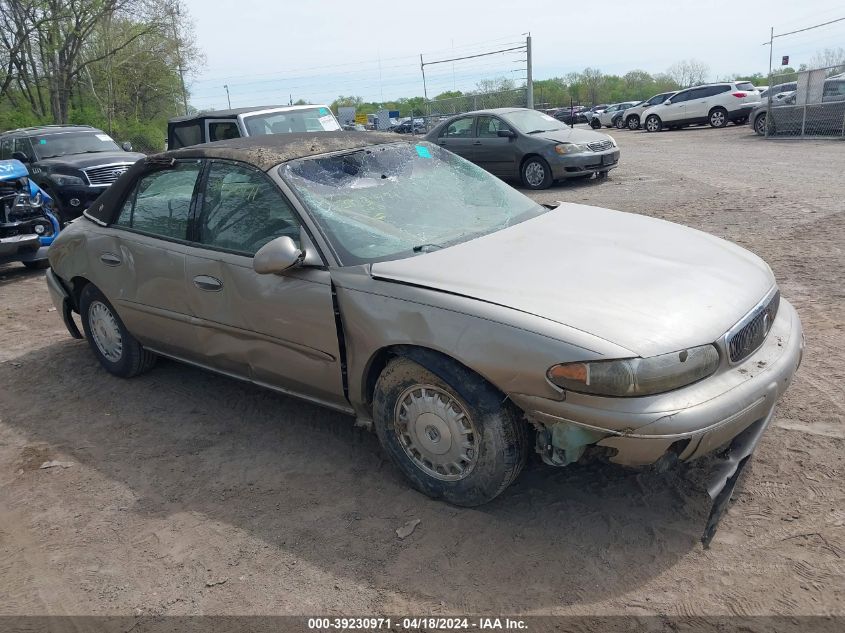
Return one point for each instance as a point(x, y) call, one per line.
point(304, 481)
point(12, 273)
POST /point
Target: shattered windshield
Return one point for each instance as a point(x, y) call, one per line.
point(392, 201)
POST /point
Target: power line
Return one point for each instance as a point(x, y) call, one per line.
point(809, 28)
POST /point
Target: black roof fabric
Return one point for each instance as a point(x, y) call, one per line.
point(263, 152)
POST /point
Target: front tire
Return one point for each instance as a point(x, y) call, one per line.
point(619, 123)
point(718, 117)
point(633, 122)
point(595, 123)
point(760, 124)
point(116, 349)
point(653, 123)
point(463, 450)
point(536, 173)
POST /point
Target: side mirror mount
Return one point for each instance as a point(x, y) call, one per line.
point(667, 102)
point(277, 256)
point(506, 133)
point(20, 156)
point(127, 146)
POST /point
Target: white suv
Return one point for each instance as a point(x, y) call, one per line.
point(715, 104)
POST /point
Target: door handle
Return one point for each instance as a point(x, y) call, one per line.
point(207, 282)
point(477, 143)
point(441, 142)
point(110, 259)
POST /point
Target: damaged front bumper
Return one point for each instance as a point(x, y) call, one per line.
point(730, 409)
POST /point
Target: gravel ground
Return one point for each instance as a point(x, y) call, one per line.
point(182, 492)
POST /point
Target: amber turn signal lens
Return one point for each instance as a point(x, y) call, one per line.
point(571, 371)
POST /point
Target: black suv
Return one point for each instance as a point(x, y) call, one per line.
point(73, 163)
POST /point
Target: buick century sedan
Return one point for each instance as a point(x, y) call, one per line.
point(399, 283)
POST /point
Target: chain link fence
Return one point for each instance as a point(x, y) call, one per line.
point(440, 109)
point(805, 103)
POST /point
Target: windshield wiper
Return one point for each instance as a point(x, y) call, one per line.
point(425, 247)
point(554, 129)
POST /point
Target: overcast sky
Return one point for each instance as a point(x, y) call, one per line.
point(269, 51)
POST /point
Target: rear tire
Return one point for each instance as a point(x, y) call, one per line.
point(619, 123)
point(653, 123)
point(595, 124)
point(718, 117)
point(419, 415)
point(116, 349)
point(39, 265)
point(633, 122)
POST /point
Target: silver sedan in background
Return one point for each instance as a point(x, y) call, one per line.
point(523, 144)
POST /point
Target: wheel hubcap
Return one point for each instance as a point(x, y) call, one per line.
point(717, 118)
point(633, 123)
point(436, 432)
point(535, 174)
point(652, 125)
point(105, 331)
point(761, 124)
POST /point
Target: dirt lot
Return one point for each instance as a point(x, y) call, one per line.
point(192, 493)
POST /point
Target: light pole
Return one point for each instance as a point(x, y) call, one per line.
point(228, 99)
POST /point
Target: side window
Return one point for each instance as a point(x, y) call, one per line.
point(834, 88)
point(462, 128)
point(712, 91)
point(658, 99)
point(243, 210)
point(489, 126)
point(186, 134)
point(6, 148)
point(161, 202)
point(222, 130)
point(22, 144)
point(681, 97)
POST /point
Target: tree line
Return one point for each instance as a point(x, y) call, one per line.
point(116, 64)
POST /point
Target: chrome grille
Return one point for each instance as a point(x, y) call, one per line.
point(600, 146)
point(105, 174)
point(752, 334)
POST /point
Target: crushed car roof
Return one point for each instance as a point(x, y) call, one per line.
point(269, 150)
point(263, 152)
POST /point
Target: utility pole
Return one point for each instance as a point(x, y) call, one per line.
point(173, 16)
point(228, 99)
point(771, 79)
point(422, 70)
point(529, 81)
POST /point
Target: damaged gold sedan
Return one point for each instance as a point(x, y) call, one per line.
point(403, 285)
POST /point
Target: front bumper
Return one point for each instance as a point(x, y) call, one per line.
point(21, 248)
point(572, 165)
point(692, 421)
point(76, 199)
point(61, 299)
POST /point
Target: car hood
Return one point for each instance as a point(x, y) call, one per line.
point(571, 135)
point(84, 161)
point(648, 285)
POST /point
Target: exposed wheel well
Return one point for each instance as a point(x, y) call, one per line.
point(75, 290)
point(450, 369)
point(714, 108)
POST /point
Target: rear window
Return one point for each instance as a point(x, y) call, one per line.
point(185, 134)
point(745, 85)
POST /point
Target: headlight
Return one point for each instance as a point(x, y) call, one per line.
point(637, 376)
point(612, 140)
point(569, 148)
point(66, 180)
